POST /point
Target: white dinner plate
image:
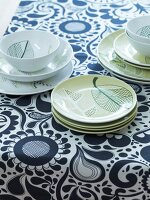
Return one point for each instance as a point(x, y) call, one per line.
point(25, 88)
point(93, 98)
point(125, 78)
point(64, 55)
point(127, 52)
point(109, 60)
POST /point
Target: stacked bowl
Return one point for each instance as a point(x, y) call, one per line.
point(138, 34)
point(33, 55)
point(126, 53)
point(94, 104)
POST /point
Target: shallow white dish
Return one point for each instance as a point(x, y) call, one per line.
point(64, 54)
point(109, 60)
point(23, 88)
point(126, 51)
point(93, 98)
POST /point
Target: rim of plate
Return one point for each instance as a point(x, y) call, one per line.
point(32, 87)
point(99, 127)
point(122, 76)
point(124, 47)
point(144, 67)
point(91, 131)
point(106, 59)
point(133, 80)
point(59, 101)
point(41, 74)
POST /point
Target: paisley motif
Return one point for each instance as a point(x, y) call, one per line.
point(129, 178)
point(85, 169)
point(8, 120)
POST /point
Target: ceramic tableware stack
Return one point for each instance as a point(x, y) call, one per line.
point(94, 104)
point(33, 61)
point(125, 53)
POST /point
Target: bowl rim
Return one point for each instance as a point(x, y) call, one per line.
point(130, 29)
point(136, 41)
point(138, 37)
point(28, 59)
point(141, 47)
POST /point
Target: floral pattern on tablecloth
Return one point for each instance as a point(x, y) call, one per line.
point(41, 159)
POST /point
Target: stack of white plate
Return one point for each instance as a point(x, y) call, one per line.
point(118, 56)
point(94, 104)
point(17, 82)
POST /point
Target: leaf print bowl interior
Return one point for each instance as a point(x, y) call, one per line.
point(29, 50)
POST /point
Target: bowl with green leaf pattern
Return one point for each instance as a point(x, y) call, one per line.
point(29, 50)
point(138, 28)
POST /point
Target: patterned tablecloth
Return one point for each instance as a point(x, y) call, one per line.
point(42, 160)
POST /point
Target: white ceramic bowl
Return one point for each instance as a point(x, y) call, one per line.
point(141, 47)
point(29, 50)
point(138, 28)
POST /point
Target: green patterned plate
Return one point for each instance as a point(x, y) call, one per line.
point(102, 131)
point(110, 61)
point(94, 126)
point(125, 50)
point(93, 98)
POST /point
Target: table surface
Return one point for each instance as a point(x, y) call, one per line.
point(7, 10)
point(41, 159)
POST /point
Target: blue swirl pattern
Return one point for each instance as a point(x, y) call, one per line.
point(46, 160)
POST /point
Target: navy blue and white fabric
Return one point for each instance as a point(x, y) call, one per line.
point(42, 160)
